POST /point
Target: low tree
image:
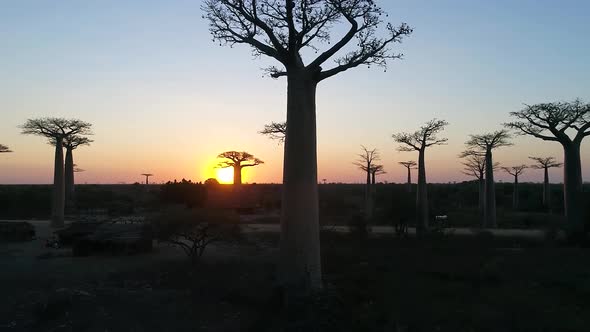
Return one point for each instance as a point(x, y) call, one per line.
point(275, 130)
point(58, 130)
point(238, 160)
point(70, 143)
point(365, 163)
point(566, 123)
point(409, 165)
point(515, 171)
point(376, 170)
point(290, 32)
point(4, 149)
point(545, 163)
point(485, 144)
point(474, 165)
point(419, 140)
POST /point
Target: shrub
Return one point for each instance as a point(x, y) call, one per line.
point(194, 229)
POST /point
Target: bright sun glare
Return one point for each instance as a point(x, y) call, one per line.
point(225, 175)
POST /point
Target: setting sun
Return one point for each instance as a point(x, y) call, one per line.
point(225, 175)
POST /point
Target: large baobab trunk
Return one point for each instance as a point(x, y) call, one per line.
point(546, 190)
point(515, 194)
point(481, 201)
point(421, 196)
point(300, 265)
point(69, 178)
point(237, 175)
point(409, 180)
point(490, 192)
point(368, 196)
point(572, 182)
point(58, 204)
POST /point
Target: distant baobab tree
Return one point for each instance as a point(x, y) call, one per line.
point(57, 130)
point(474, 165)
point(77, 169)
point(284, 30)
point(238, 160)
point(485, 144)
point(366, 164)
point(376, 170)
point(566, 123)
point(545, 163)
point(419, 140)
point(70, 143)
point(147, 177)
point(275, 130)
point(515, 171)
point(4, 149)
point(409, 165)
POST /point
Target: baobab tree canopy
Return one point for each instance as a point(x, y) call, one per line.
point(282, 29)
point(56, 127)
point(235, 158)
point(4, 149)
point(491, 140)
point(515, 170)
point(553, 121)
point(275, 130)
point(425, 137)
point(72, 142)
point(545, 162)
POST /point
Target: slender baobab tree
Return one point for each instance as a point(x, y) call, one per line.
point(423, 138)
point(566, 123)
point(365, 163)
point(70, 143)
point(275, 130)
point(58, 130)
point(485, 144)
point(376, 170)
point(409, 165)
point(545, 163)
point(238, 160)
point(4, 149)
point(147, 177)
point(474, 165)
point(286, 31)
point(515, 171)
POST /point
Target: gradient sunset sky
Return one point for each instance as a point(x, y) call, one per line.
point(165, 99)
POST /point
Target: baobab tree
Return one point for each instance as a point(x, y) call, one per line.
point(409, 165)
point(474, 165)
point(545, 163)
point(147, 177)
point(238, 160)
point(275, 130)
point(419, 140)
point(57, 130)
point(70, 143)
point(485, 144)
point(515, 171)
point(566, 123)
point(366, 164)
point(376, 170)
point(4, 149)
point(284, 30)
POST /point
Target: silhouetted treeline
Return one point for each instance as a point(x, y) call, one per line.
point(338, 202)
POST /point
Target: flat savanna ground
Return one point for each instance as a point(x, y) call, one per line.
point(455, 282)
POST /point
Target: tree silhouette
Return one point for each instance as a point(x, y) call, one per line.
point(70, 143)
point(4, 149)
point(238, 160)
point(275, 130)
point(515, 171)
point(419, 140)
point(283, 30)
point(365, 163)
point(58, 130)
point(545, 163)
point(484, 144)
point(376, 170)
point(555, 122)
point(475, 165)
point(147, 177)
point(409, 165)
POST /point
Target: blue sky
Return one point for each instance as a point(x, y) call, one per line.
point(157, 89)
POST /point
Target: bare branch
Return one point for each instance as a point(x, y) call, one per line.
point(275, 130)
point(4, 149)
point(425, 137)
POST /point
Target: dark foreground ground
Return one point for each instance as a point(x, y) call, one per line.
point(443, 283)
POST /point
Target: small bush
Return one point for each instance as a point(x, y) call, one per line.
point(194, 229)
